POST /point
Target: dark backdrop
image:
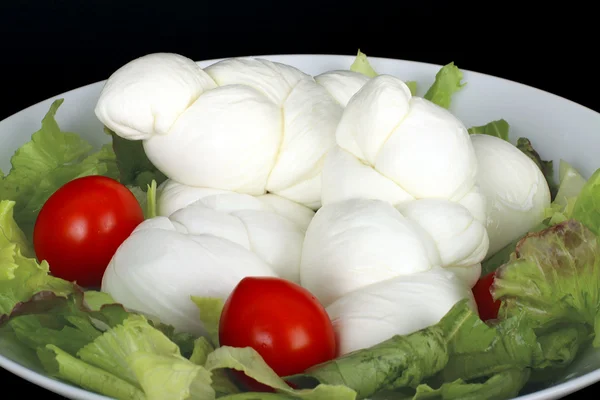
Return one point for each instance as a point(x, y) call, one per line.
point(49, 47)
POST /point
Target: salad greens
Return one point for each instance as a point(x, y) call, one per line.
point(52, 158)
point(362, 66)
point(134, 166)
point(548, 282)
point(497, 128)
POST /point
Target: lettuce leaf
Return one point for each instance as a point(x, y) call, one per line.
point(105, 349)
point(63, 365)
point(501, 386)
point(586, 208)
point(362, 66)
point(221, 382)
point(52, 158)
point(21, 277)
point(210, 312)
point(10, 233)
point(146, 199)
point(150, 209)
point(447, 82)
point(169, 377)
point(570, 183)
point(460, 348)
point(553, 279)
point(102, 301)
point(503, 255)
point(64, 321)
point(135, 169)
point(546, 167)
point(498, 128)
point(252, 364)
point(110, 351)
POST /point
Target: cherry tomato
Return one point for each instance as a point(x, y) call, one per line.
point(282, 321)
point(80, 227)
point(487, 306)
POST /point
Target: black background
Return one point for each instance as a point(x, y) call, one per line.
point(49, 47)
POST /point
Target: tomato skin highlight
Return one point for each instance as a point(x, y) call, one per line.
point(487, 306)
point(81, 226)
point(282, 321)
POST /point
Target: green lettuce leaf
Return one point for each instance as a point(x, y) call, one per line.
point(362, 66)
point(12, 348)
point(150, 209)
point(498, 128)
point(63, 365)
point(110, 350)
point(447, 82)
point(167, 377)
point(135, 169)
point(501, 386)
point(10, 233)
point(86, 339)
point(21, 277)
point(102, 301)
point(546, 167)
point(146, 199)
point(412, 85)
point(202, 348)
point(143, 356)
point(460, 347)
point(553, 279)
point(478, 350)
point(210, 312)
point(257, 396)
point(252, 364)
point(52, 158)
point(221, 382)
point(95, 300)
point(586, 208)
point(570, 185)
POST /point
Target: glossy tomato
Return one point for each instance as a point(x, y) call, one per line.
point(82, 224)
point(487, 306)
point(282, 321)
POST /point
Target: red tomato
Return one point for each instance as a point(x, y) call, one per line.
point(282, 321)
point(488, 308)
point(80, 227)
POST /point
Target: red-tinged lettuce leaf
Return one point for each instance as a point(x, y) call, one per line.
point(65, 322)
point(553, 279)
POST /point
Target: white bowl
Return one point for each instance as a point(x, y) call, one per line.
point(558, 128)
